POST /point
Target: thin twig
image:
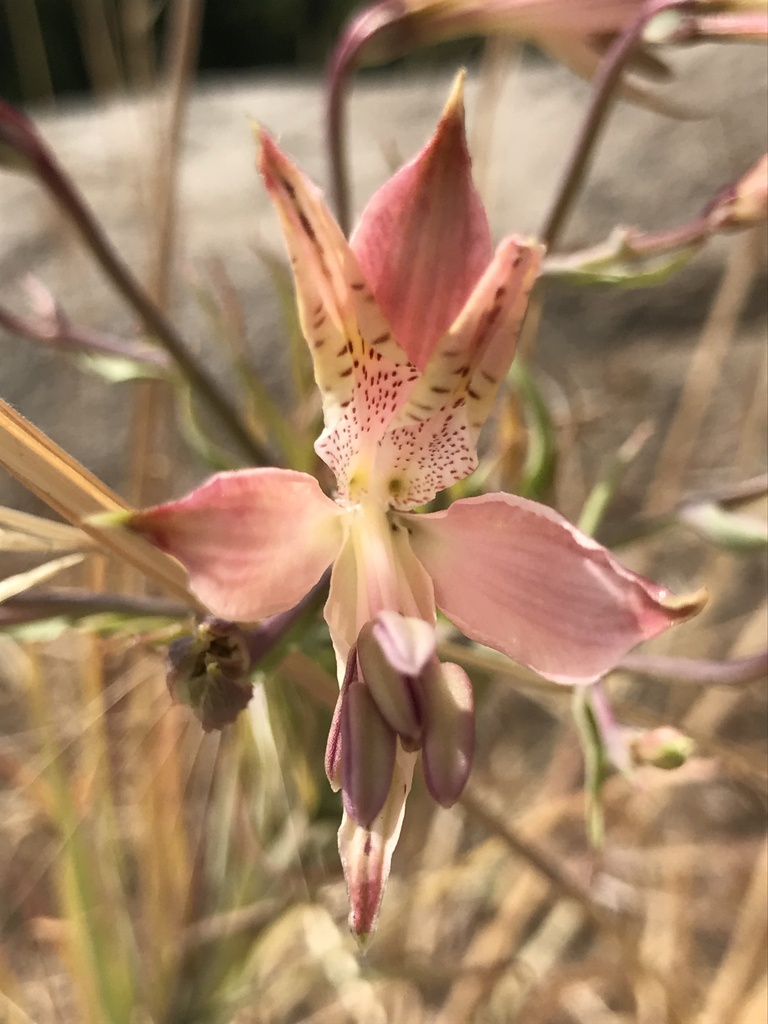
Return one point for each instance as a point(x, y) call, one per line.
point(566, 883)
point(603, 93)
point(698, 671)
point(704, 373)
point(39, 603)
point(60, 333)
point(18, 133)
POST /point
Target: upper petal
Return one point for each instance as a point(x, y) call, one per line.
point(423, 239)
point(253, 542)
point(518, 577)
point(432, 442)
point(361, 371)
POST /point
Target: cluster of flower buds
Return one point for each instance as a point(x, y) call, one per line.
point(396, 690)
point(209, 671)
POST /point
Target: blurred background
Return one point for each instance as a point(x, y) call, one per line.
point(58, 48)
point(151, 873)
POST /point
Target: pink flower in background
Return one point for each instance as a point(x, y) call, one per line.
point(412, 326)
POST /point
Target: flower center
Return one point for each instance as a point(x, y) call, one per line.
point(388, 575)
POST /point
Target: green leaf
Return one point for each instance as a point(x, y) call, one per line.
point(120, 369)
point(730, 530)
point(541, 456)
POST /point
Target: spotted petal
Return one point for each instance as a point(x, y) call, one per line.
point(253, 542)
point(423, 239)
point(359, 367)
point(516, 576)
point(433, 440)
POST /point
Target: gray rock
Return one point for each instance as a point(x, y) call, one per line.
point(626, 351)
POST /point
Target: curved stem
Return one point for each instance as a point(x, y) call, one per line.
point(606, 80)
point(20, 135)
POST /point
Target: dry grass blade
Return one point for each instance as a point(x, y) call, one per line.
point(69, 489)
point(21, 531)
point(22, 581)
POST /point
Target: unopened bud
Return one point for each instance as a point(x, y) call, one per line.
point(449, 732)
point(392, 652)
point(744, 203)
point(665, 747)
point(209, 672)
point(367, 754)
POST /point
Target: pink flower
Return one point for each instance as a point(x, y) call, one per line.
point(412, 327)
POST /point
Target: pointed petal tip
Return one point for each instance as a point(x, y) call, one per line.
point(685, 606)
point(274, 166)
point(451, 128)
point(454, 107)
point(121, 518)
point(363, 938)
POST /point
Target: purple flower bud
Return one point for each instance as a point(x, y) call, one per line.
point(392, 652)
point(449, 732)
point(367, 754)
point(333, 746)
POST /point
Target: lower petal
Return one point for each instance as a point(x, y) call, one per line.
point(253, 542)
point(366, 853)
point(516, 576)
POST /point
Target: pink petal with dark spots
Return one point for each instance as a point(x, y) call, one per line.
point(432, 442)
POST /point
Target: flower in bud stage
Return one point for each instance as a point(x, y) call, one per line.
point(744, 203)
point(209, 672)
point(664, 747)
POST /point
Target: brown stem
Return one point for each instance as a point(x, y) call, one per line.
point(61, 334)
point(603, 92)
point(698, 672)
point(564, 882)
point(20, 135)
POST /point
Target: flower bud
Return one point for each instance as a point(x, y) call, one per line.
point(744, 203)
point(367, 754)
point(333, 746)
point(665, 747)
point(209, 672)
point(392, 651)
point(449, 732)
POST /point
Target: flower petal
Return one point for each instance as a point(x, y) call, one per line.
point(449, 731)
point(366, 853)
point(253, 542)
point(333, 745)
point(423, 239)
point(518, 577)
point(433, 439)
point(407, 643)
point(359, 367)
